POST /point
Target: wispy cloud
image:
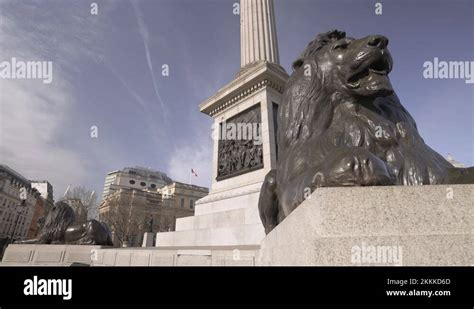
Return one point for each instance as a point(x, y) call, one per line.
point(157, 133)
point(33, 114)
point(35, 131)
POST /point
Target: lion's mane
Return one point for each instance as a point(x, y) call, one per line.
point(59, 218)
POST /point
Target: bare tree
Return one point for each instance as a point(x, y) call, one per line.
point(87, 197)
point(125, 223)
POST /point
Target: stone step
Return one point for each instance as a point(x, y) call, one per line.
point(249, 234)
point(227, 201)
point(229, 218)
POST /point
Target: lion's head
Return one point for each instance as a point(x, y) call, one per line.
point(333, 68)
point(356, 67)
point(59, 217)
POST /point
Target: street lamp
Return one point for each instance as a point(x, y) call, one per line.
point(20, 207)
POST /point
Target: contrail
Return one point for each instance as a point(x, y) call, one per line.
point(145, 36)
point(146, 108)
point(135, 95)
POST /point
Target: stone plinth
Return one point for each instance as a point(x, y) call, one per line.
point(228, 216)
point(397, 225)
point(148, 240)
point(47, 255)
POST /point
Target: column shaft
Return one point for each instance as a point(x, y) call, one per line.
point(258, 32)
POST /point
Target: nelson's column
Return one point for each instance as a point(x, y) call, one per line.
point(228, 216)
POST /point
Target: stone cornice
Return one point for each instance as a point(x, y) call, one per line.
point(249, 80)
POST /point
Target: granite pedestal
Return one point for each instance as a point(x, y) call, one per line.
point(358, 226)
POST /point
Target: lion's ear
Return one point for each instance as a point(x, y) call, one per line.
point(297, 64)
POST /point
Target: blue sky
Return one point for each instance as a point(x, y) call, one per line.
point(107, 73)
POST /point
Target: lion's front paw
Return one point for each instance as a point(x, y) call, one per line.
point(359, 167)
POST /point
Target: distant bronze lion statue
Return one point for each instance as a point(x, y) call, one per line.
point(60, 228)
point(341, 124)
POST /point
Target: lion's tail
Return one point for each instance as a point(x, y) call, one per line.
point(268, 202)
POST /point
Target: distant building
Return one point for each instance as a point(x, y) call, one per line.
point(46, 191)
point(134, 178)
point(454, 162)
point(130, 212)
point(38, 217)
point(183, 195)
point(17, 204)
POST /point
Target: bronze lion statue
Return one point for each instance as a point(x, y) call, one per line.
point(341, 124)
point(60, 228)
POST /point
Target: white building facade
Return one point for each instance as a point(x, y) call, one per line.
point(134, 178)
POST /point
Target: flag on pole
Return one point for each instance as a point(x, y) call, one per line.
point(194, 172)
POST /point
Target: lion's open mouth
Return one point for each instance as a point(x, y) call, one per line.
point(372, 70)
